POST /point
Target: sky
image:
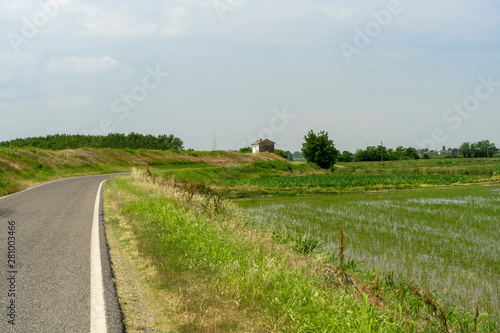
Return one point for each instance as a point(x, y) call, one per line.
point(415, 73)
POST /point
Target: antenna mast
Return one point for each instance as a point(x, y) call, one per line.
point(215, 143)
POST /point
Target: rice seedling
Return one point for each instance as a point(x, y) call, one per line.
point(445, 239)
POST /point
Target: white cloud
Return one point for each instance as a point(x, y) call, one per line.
point(4, 77)
point(9, 96)
point(22, 59)
point(259, 56)
point(177, 21)
point(70, 101)
point(337, 14)
point(81, 65)
point(114, 22)
point(16, 9)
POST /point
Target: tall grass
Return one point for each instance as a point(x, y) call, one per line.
point(198, 243)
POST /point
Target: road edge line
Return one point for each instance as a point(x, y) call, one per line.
point(97, 304)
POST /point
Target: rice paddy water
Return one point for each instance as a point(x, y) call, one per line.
point(447, 240)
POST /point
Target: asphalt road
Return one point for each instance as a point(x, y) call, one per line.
point(45, 284)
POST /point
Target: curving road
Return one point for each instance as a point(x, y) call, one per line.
point(52, 245)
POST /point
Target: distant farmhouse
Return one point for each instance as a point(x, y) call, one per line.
point(263, 146)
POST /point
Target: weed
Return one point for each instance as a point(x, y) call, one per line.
point(280, 237)
point(432, 303)
point(375, 285)
point(341, 251)
point(475, 319)
point(212, 204)
point(217, 204)
point(304, 244)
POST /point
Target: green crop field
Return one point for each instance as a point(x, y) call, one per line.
point(341, 181)
point(447, 240)
point(280, 178)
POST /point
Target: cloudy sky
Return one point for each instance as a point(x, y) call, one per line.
point(413, 73)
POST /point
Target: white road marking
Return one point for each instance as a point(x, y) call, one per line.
point(97, 305)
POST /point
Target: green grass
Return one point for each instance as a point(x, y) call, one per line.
point(280, 178)
point(446, 240)
point(227, 174)
point(20, 168)
point(206, 252)
point(342, 181)
point(397, 174)
point(434, 165)
point(198, 242)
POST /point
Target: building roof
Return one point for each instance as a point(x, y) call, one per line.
point(260, 141)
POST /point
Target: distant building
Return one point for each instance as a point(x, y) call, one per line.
point(263, 146)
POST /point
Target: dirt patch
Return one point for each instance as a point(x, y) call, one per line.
point(11, 164)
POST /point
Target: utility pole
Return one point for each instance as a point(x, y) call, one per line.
point(382, 152)
point(215, 143)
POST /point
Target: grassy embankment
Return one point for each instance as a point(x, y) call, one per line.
point(20, 168)
point(217, 268)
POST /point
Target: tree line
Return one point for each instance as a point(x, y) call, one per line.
point(113, 140)
point(373, 153)
point(319, 149)
point(478, 149)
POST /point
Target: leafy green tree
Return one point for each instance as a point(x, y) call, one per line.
point(371, 153)
point(298, 154)
point(319, 149)
point(410, 153)
point(245, 150)
point(483, 148)
point(281, 153)
point(346, 156)
point(398, 153)
point(466, 150)
point(113, 140)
